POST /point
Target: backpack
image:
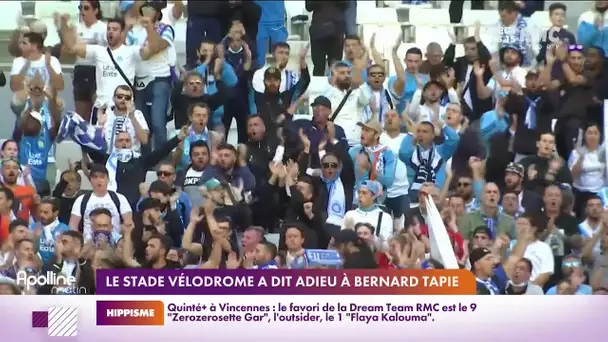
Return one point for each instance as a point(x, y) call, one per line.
point(85, 200)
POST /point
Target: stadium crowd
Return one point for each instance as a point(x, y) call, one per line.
point(507, 145)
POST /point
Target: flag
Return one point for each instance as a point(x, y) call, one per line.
point(74, 127)
point(441, 246)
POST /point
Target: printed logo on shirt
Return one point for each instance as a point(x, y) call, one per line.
point(120, 124)
point(551, 38)
point(109, 71)
point(191, 181)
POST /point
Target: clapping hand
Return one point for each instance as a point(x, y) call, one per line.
point(363, 162)
point(302, 55)
point(195, 216)
point(233, 262)
point(331, 131)
point(555, 165)
point(475, 164)
point(183, 133)
point(308, 210)
point(478, 69)
point(102, 117)
point(145, 21)
point(143, 189)
point(561, 52)
point(398, 42)
point(532, 173)
point(247, 52)
point(304, 139)
point(292, 169)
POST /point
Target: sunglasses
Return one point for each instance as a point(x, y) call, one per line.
point(330, 165)
point(463, 184)
point(572, 264)
point(164, 173)
point(575, 47)
point(83, 8)
point(125, 97)
point(377, 74)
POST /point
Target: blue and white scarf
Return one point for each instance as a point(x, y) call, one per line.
point(386, 104)
point(379, 160)
point(270, 265)
point(530, 120)
point(74, 127)
point(336, 204)
point(122, 155)
point(426, 168)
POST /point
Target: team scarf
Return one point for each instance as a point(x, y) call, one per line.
point(122, 155)
point(336, 205)
point(74, 127)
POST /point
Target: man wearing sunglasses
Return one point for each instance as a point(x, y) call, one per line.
point(166, 172)
point(572, 269)
point(123, 117)
point(577, 85)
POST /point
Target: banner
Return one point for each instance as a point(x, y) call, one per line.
point(441, 247)
point(301, 318)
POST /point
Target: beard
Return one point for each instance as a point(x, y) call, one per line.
point(344, 84)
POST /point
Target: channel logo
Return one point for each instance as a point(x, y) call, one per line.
point(60, 322)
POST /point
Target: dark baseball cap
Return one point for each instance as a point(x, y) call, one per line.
point(515, 168)
point(272, 73)
point(478, 254)
point(484, 230)
point(322, 101)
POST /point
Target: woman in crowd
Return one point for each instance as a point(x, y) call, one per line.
point(587, 164)
point(91, 30)
point(10, 149)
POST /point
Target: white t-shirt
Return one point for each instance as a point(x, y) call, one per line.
point(541, 256)
point(401, 183)
point(384, 233)
point(37, 66)
point(120, 124)
point(91, 35)
point(352, 111)
point(592, 176)
point(288, 79)
point(106, 75)
point(518, 74)
point(159, 64)
point(101, 202)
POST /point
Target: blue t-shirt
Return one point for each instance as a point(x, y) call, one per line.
point(47, 246)
point(34, 151)
point(408, 90)
point(584, 290)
